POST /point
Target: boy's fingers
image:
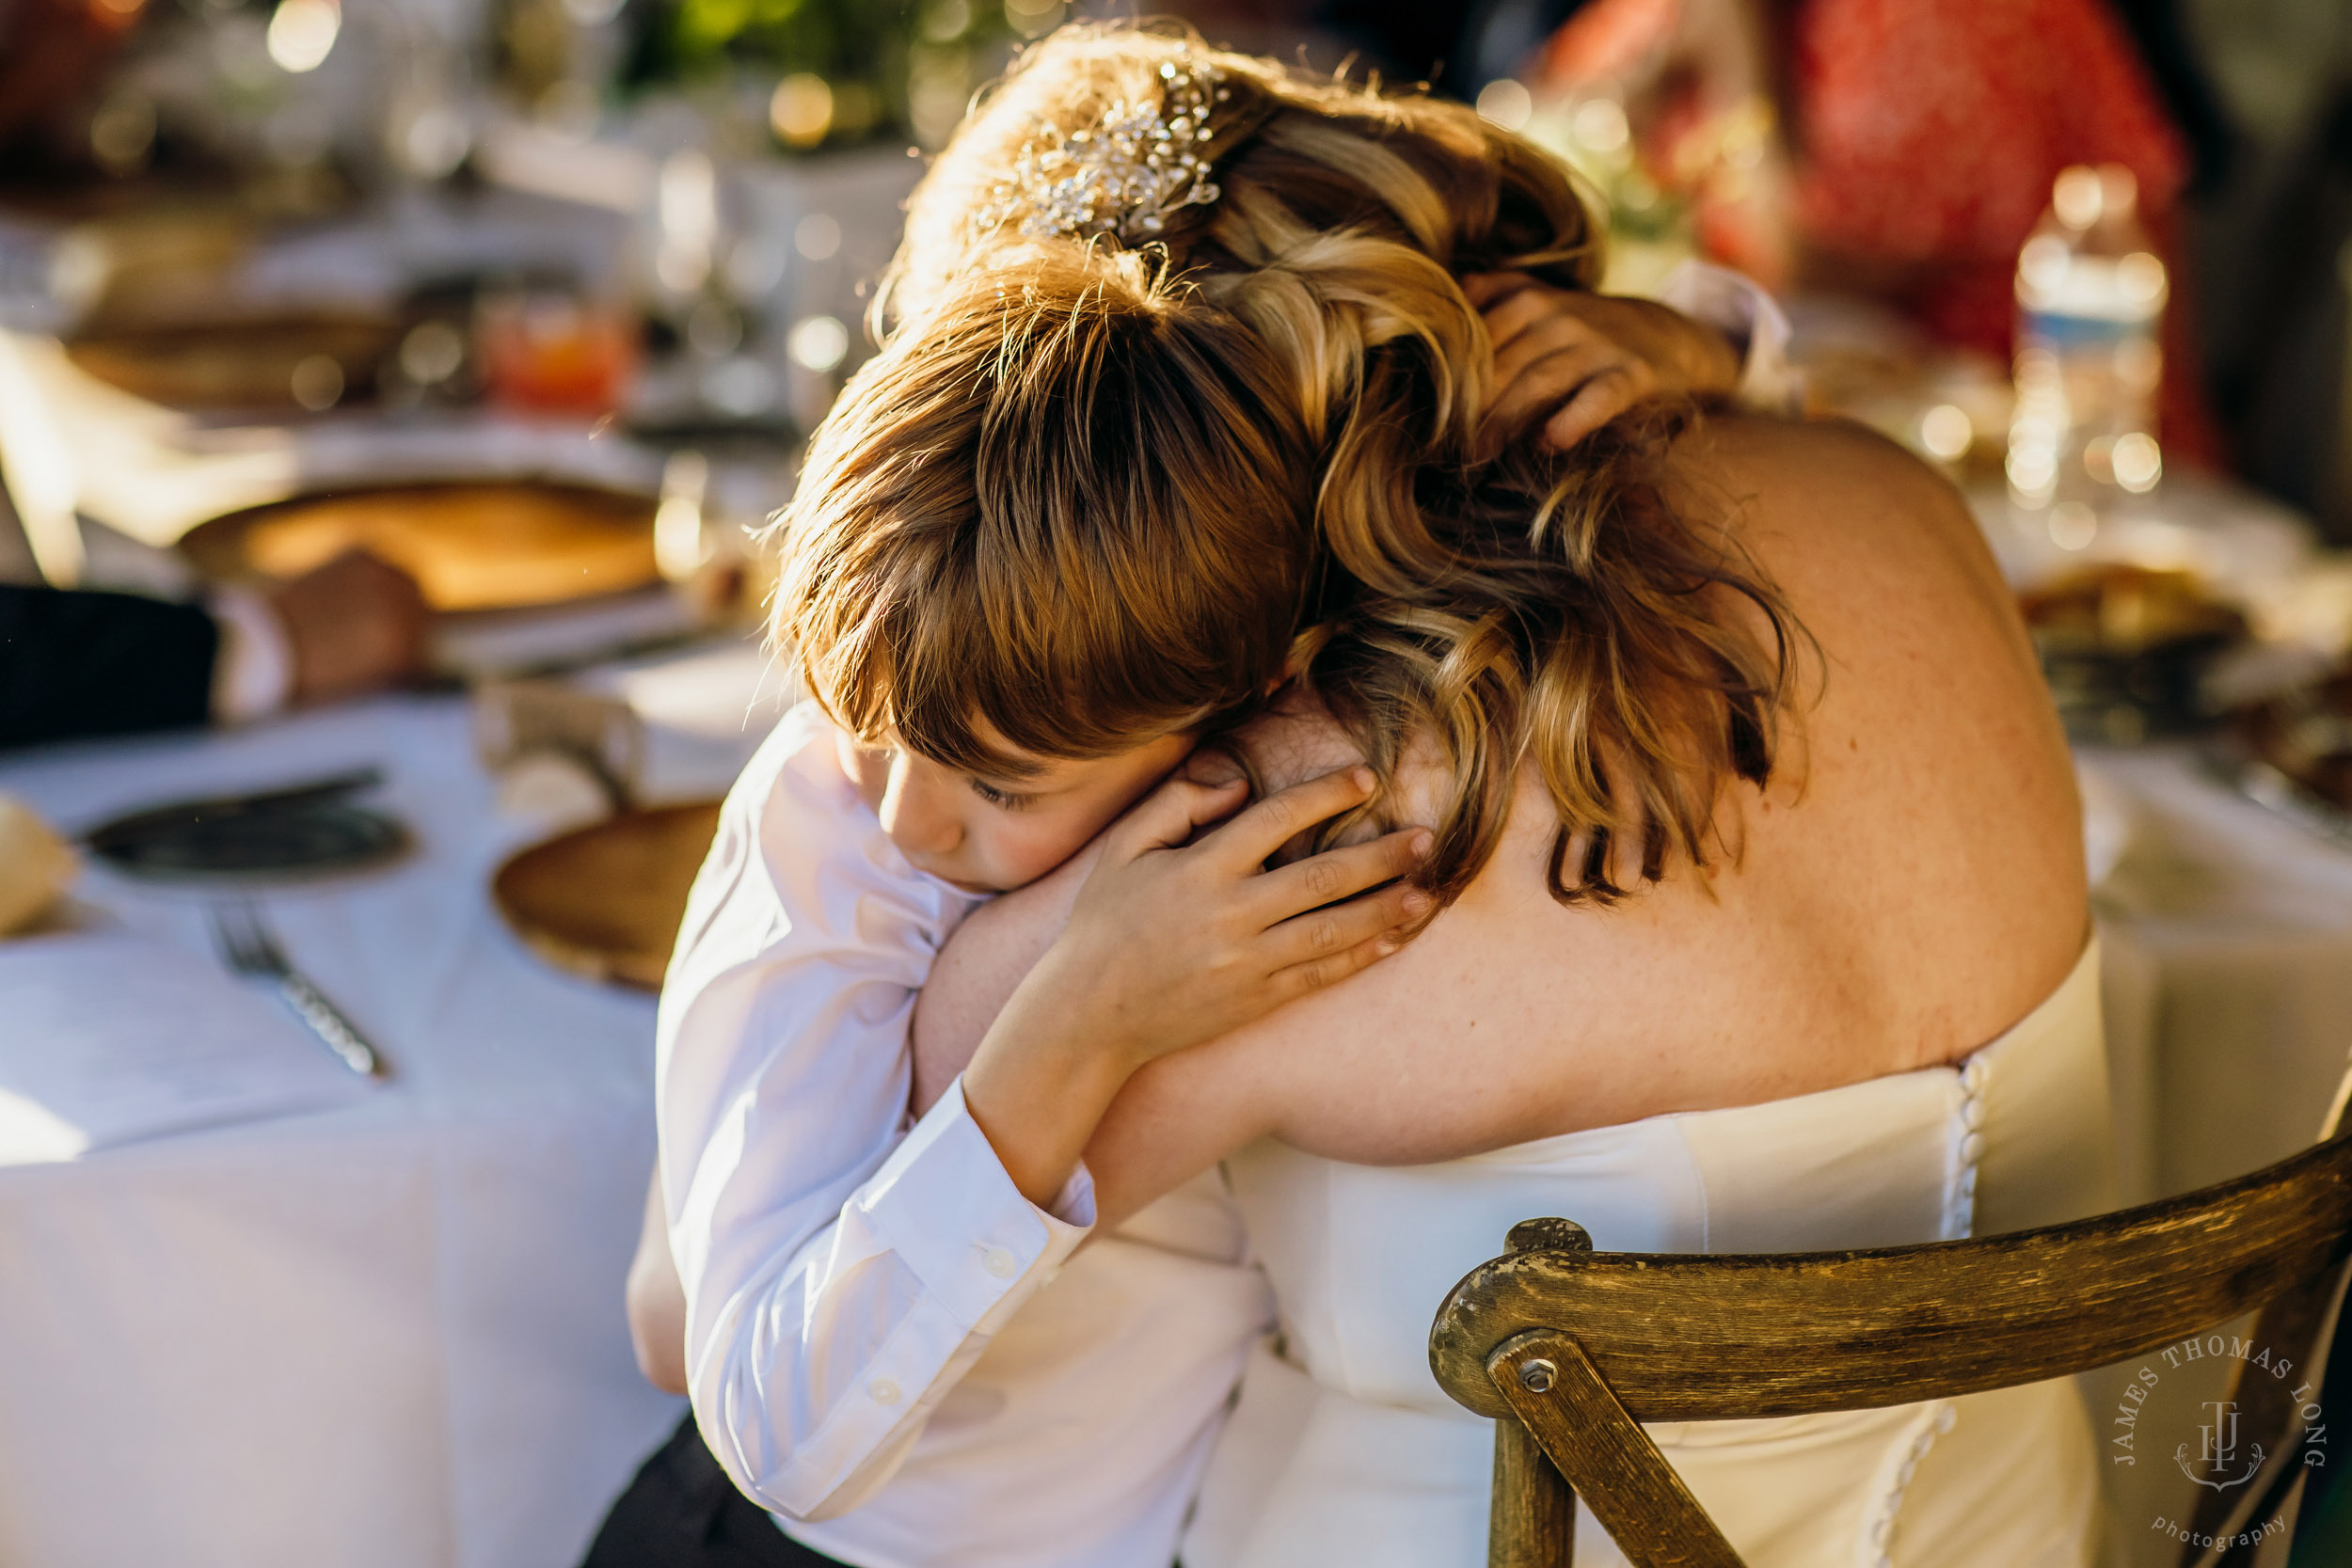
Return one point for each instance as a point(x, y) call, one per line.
point(1555, 339)
point(1337, 874)
point(1169, 814)
point(1315, 974)
point(1517, 313)
point(1599, 401)
point(1545, 384)
point(1339, 927)
point(1244, 843)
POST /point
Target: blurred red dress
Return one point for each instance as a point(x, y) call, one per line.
point(1927, 133)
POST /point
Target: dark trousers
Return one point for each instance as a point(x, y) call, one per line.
point(682, 1511)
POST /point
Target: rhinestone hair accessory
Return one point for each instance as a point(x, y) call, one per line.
point(1126, 175)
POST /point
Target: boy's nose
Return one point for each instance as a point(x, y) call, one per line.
point(916, 816)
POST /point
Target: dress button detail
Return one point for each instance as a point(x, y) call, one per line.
point(884, 1390)
point(997, 1262)
point(1972, 1147)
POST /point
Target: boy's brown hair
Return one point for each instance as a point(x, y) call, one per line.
point(1066, 510)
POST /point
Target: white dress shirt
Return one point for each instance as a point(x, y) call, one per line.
point(859, 1354)
point(253, 669)
point(848, 1280)
point(1737, 307)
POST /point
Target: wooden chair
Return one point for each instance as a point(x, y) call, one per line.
point(1570, 1349)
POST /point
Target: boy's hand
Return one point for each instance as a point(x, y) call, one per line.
point(1589, 356)
point(1172, 943)
point(1180, 943)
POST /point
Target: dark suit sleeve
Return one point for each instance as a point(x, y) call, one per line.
point(75, 664)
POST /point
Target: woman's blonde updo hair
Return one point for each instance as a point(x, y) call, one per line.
point(1323, 375)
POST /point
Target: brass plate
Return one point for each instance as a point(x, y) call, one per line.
point(492, 546)
point(605, 901)
point(236, 364)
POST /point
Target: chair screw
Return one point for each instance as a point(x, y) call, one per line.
point(1537, 1376)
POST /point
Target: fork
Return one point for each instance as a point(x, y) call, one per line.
point(247, 946)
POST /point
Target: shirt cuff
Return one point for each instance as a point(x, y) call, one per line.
point(253, 671)
point(946, 1205)
point(1744, 311)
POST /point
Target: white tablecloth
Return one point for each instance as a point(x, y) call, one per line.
point(2228, 932)
point(389, 1336)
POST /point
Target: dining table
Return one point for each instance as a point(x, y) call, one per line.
point(387, 1331)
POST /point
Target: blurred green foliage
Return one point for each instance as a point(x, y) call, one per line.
point(891, 64)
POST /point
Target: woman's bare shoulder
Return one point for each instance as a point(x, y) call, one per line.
point(1795, 482)
point(1818, 456)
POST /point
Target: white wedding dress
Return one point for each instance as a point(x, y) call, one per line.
point(1343, 1449)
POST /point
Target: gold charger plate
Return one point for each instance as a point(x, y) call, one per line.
point(257, 364)
point(605, 901)
point(503, 544)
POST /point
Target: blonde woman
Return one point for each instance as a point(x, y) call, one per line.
point(1763, 919)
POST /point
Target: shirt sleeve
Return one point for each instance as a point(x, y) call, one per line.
point(1744, 311)
point(253, 674)
point(841, 1270)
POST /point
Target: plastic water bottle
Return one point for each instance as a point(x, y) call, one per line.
point(2090, 295)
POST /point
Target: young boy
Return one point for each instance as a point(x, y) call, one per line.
point(853, 1279)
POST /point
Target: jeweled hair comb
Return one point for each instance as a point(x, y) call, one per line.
point(1126, 175)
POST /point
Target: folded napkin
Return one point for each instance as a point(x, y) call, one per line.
point(106, 1039)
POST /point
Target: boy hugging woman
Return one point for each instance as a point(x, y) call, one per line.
point(1169, 330)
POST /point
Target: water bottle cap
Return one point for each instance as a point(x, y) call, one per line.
point(2083, 194)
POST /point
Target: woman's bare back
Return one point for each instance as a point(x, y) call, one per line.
point(1909, 886)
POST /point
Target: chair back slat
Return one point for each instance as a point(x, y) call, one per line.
point(1711, 1338)
point(1558, 1394)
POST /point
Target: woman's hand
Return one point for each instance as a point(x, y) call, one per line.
point(1589, 356)
point(1173, 943)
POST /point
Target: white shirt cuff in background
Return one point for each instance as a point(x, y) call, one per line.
point(1742, 309)
point(253, 669)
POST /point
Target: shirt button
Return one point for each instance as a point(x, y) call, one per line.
point(884, 1390)
point(996, 1260)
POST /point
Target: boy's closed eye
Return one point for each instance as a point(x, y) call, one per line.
point(1002, 800)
